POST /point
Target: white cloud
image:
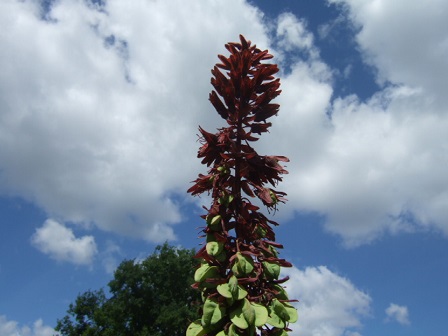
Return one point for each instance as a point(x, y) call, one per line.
point(398, 313)
point(329, 305)
point(12, 328)
point(396, 38)
point(111, 256)
point(60, 243)
point(99, 114)
point(326, 30)
point(293, 33)
point(106, 132)
point(375, 166)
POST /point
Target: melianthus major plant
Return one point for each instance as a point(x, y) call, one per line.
point(240, 269)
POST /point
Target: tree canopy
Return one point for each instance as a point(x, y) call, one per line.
point(149, 298)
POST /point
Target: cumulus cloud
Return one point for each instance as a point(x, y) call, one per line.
point(398, 313)
point(376, 166)
point(100, 106)
point(292, 33)
point(110, 257)
point(396, 38)
point(60, 243)
point(329, 305)
point(12, 328)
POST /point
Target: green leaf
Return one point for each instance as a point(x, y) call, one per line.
point(273, 251)
point(275, 320)
point(273, 197)
point(261, 232)
point(226, 199)
point(237, 317)
point(292, 312)
point(249, 312)
point(233, 285)
point(223, 170)
point(233, 331)
point(214, 248)
point(206, 272)
point(204, 295)
point(243, 265)
point(282, 295)
point(213, 312)
point(280, 310)
point(232, 290)
point(224, 290)
point(249, 315)
point(215, 220)
point(210, 237)
point(277, 313)
point(221, 256)
point(195, 329)
point(272, 270)
point(280, 313)
point(261, 314)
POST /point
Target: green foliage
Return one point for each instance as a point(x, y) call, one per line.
point(149, 298)
point(280, 313)
point(231, 290)
point(196, 329)
point(213, 312)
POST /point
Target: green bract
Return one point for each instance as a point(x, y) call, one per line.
point(238, 316)
point(273, 251)
point(214, 248)
point(213, 312)
point(195, 329)
point(280, 310)
point(248, 314)
point(282, 295)
point(261, 232)
point(242, 265)
point(281, 313)
point(205, 272)
point(261, 314)
point(214, 221)
point(272, 270)
point(226, 199)
point(273, 197)
point(292, 312)
point(232, 331)
point(231, 289)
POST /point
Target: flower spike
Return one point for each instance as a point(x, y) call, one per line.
point(240, 271)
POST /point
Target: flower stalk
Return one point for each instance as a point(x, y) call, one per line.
point(240, 265)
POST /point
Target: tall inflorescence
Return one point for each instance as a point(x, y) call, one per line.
point(240, 269)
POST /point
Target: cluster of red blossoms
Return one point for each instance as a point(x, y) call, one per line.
point(239, 275)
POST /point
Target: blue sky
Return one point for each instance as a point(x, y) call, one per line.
point(99, 108)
